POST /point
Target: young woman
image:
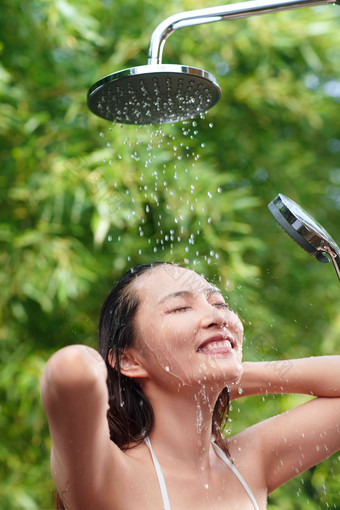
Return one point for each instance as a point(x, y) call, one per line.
point(142, 429)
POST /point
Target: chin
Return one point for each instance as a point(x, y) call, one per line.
point(223, 372)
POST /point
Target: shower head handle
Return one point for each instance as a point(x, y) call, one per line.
point(223, 12)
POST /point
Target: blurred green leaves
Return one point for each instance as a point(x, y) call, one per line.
point(83, 200)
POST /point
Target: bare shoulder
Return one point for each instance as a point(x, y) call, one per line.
point(243, 444)
point(243, 449)
point(122, 480)
point(73, 480)
point(129, 482)
point(289, 443)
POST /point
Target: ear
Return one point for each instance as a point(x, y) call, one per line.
point(129, 364)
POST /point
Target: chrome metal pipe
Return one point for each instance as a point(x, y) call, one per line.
point(223, 12)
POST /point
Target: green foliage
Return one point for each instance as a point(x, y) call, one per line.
point(82, 200)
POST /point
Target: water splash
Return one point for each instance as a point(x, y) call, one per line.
point(159, 189)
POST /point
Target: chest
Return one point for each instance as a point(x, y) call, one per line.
point(142, 490)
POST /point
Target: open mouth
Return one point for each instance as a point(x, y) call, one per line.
point(217, 344)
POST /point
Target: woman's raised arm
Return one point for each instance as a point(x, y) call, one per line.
point(298, 439)
point(316, 376)
point(75, 398)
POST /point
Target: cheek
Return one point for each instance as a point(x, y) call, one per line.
point(170, 358)
point(171, 331)
point(161, 343)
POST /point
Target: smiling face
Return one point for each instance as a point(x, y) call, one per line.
point(185, 333)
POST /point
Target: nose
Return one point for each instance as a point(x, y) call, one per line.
point(217, 317)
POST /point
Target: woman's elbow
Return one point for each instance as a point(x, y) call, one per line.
point(72, 367)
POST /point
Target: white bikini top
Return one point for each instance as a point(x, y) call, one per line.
point(219, 452)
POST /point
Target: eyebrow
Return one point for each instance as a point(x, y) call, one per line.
point(208, 291)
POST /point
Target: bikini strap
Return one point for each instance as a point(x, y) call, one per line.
point(160, 476)
point(223, 456)
point(219, 452)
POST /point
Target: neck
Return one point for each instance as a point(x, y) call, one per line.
point(183, 427)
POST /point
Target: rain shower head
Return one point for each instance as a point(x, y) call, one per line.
point(305, 230)
point(154, 94)
point(157, 93)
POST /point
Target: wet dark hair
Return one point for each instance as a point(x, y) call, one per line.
point(130, 415)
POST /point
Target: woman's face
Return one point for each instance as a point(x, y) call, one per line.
point(185, 332)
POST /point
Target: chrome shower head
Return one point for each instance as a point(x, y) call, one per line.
point(305, 230)
point(154, 94)
point(157, 93)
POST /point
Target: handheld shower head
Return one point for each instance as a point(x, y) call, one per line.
point(305, 230)
point(157, 93)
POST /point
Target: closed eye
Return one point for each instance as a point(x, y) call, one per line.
point(180, 309)
point(221, 305)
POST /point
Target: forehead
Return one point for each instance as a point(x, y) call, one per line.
point(160, 281)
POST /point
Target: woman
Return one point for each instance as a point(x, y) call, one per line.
point(173, 352)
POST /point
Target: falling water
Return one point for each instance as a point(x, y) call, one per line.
point(160, 201)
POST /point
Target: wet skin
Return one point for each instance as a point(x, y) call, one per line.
point(186, 333)
point(188, 347)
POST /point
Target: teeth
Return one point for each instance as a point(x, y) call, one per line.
point(211, 346)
